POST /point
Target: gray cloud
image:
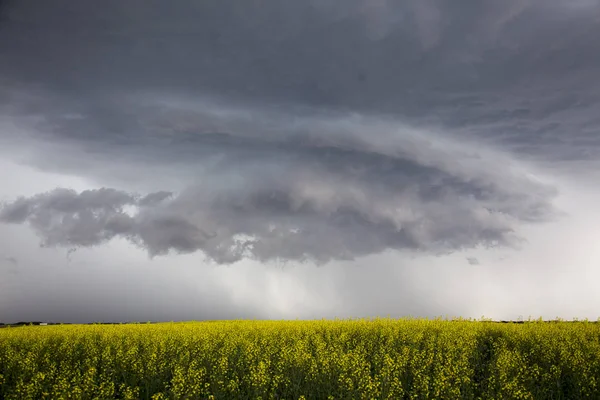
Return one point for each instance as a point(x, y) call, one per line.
point(296, 196)
point(358, 54)
point(154, 198)
point(517, 73)
point(274, 174)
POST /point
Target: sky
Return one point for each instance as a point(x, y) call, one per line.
point(285, 159)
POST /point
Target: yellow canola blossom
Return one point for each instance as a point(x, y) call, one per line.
point(350, 359)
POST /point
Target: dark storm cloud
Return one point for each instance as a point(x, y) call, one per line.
point(297, 196)
point(240, 96)
point(359, 54)
point(520, 73)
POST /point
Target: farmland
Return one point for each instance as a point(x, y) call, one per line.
point(362, 359)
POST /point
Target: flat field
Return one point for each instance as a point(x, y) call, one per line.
point(342, 359)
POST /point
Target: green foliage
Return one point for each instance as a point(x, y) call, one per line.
point(358, 359)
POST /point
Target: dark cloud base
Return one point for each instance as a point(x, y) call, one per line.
point(322, 204)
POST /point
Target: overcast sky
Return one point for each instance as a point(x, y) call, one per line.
point(291, 159)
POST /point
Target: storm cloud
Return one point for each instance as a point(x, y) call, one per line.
point(419, 134)
point(319, 191)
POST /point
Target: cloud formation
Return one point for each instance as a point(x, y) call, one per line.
point(303, 189)
point(370, 54)
point(517, 73)
point(314, 130)
point(268, 169)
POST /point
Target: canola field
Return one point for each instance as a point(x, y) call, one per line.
point(352, 359)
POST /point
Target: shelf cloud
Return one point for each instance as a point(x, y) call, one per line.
point(328, 188)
